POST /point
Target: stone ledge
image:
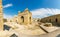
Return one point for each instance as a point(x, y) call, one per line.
point(49, 29)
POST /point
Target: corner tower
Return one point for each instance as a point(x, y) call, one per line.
point(1, 16)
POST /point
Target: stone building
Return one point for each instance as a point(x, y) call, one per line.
point(1, 16)
point(25, 17)
point(55, 19)
point(14, 19)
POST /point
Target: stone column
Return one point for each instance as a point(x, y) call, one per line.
point(1, 16)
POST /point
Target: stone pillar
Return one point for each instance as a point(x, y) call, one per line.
point(1, 16)
point(19, 17)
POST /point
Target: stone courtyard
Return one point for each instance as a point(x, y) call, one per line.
point(31, 30)
point(23, 25)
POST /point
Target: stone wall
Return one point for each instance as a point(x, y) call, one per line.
point(55, 19)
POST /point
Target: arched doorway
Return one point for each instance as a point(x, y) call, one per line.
point(56, 20)
point(30, 20)
point(22, 19)
point(49, 20)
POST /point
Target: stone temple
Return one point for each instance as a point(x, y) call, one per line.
point(24, 17)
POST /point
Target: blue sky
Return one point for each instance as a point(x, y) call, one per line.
point(11, 7)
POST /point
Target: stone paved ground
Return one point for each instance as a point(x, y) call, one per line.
point(52, 34)
point(49, 29)
point(22, 33)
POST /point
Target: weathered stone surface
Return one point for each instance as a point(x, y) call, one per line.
point(25, 17)
point(49, 29)
point(13, 35)
point(6, 27)
point(1, 16)
point(55, 20)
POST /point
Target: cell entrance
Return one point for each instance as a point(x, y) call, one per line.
point(22, 18)
point(56, 20)
point(30, 20)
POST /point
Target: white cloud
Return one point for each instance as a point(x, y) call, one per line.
point(7, 16)
point(7, 5)
point(40, 13)
point(44, 12)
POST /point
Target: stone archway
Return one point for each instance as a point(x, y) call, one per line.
point(22, 19)
point(30, 20)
